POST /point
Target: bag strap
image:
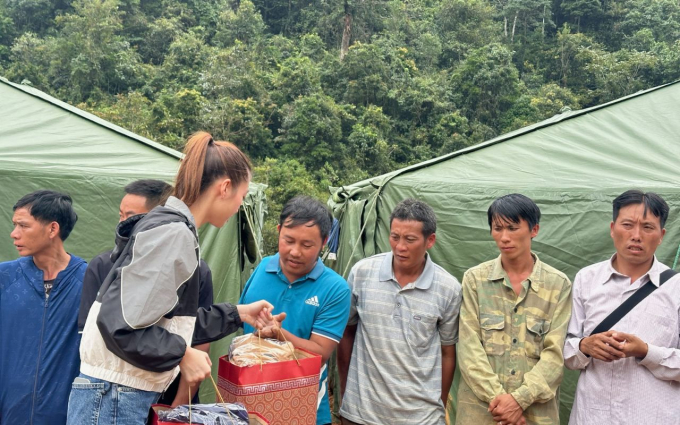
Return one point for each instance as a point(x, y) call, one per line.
point(639, 295)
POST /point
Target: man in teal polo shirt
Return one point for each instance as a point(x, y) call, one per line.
point(315, 299)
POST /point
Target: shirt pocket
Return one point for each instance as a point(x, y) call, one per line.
point(421, 331)
point(492, 333)
point(537, 328)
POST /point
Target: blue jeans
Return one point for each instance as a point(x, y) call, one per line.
point(101, 402)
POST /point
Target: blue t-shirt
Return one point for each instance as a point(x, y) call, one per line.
point(316, 303)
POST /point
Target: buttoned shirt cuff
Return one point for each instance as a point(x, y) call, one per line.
point(654, 356)
point(523, 397)
point(574, 358)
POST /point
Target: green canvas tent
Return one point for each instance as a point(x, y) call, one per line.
point(573, 165)
point(49, 144)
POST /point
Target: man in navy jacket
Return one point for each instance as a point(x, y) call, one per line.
point(39, 298)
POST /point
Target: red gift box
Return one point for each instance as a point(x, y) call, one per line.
point(284, 393)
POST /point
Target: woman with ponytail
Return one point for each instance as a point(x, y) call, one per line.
point(139, 331)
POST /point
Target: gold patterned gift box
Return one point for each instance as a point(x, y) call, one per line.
point(283, 393)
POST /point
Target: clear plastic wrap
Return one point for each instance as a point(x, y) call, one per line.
point(206, 414)
point(250, 350)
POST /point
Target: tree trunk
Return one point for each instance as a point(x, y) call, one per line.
point(287, 24)
point(564, 61)
point(543, 25)
point(505, 26)
point(514, 24)
point(346, 33)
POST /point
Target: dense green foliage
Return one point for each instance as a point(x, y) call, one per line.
point(328, 92)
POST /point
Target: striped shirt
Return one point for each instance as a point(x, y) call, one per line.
point(395, 374)
point(626, 391)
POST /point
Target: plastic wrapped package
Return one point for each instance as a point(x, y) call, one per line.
point(206, 414)
point(250, 350)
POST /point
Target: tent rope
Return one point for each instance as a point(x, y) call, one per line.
point(677, 254)
point(356, 243)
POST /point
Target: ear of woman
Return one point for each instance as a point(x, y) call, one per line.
point(225, 188)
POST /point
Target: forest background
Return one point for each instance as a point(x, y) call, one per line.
point(322, 93)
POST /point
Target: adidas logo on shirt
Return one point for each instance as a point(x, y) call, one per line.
point(313, 301)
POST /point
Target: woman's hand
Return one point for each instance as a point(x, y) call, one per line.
point(195, 366)
point(250, 313)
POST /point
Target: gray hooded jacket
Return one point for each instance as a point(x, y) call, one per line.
point(146, 312)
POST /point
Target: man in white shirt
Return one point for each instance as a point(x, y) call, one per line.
point(630, 374)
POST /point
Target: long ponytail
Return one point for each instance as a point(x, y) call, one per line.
point(206, 160)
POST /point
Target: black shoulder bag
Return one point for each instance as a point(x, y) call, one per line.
point(631, 302)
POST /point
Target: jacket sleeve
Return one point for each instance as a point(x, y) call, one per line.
point(205, 292)
point(91, 284)
point(215, 322)
point(161, 260)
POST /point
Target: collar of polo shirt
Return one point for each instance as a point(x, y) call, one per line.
point(424, 281)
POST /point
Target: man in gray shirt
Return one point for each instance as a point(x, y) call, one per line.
point(397, 356)
point(630, 374)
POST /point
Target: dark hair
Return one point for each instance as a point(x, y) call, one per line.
point(514, 207)
point(47, 206)
point(156, 192)
point(651, 201)
point(206, 160)
point(414, 210)
point(304, 209)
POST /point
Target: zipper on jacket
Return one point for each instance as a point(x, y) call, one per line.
point(37, 367)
